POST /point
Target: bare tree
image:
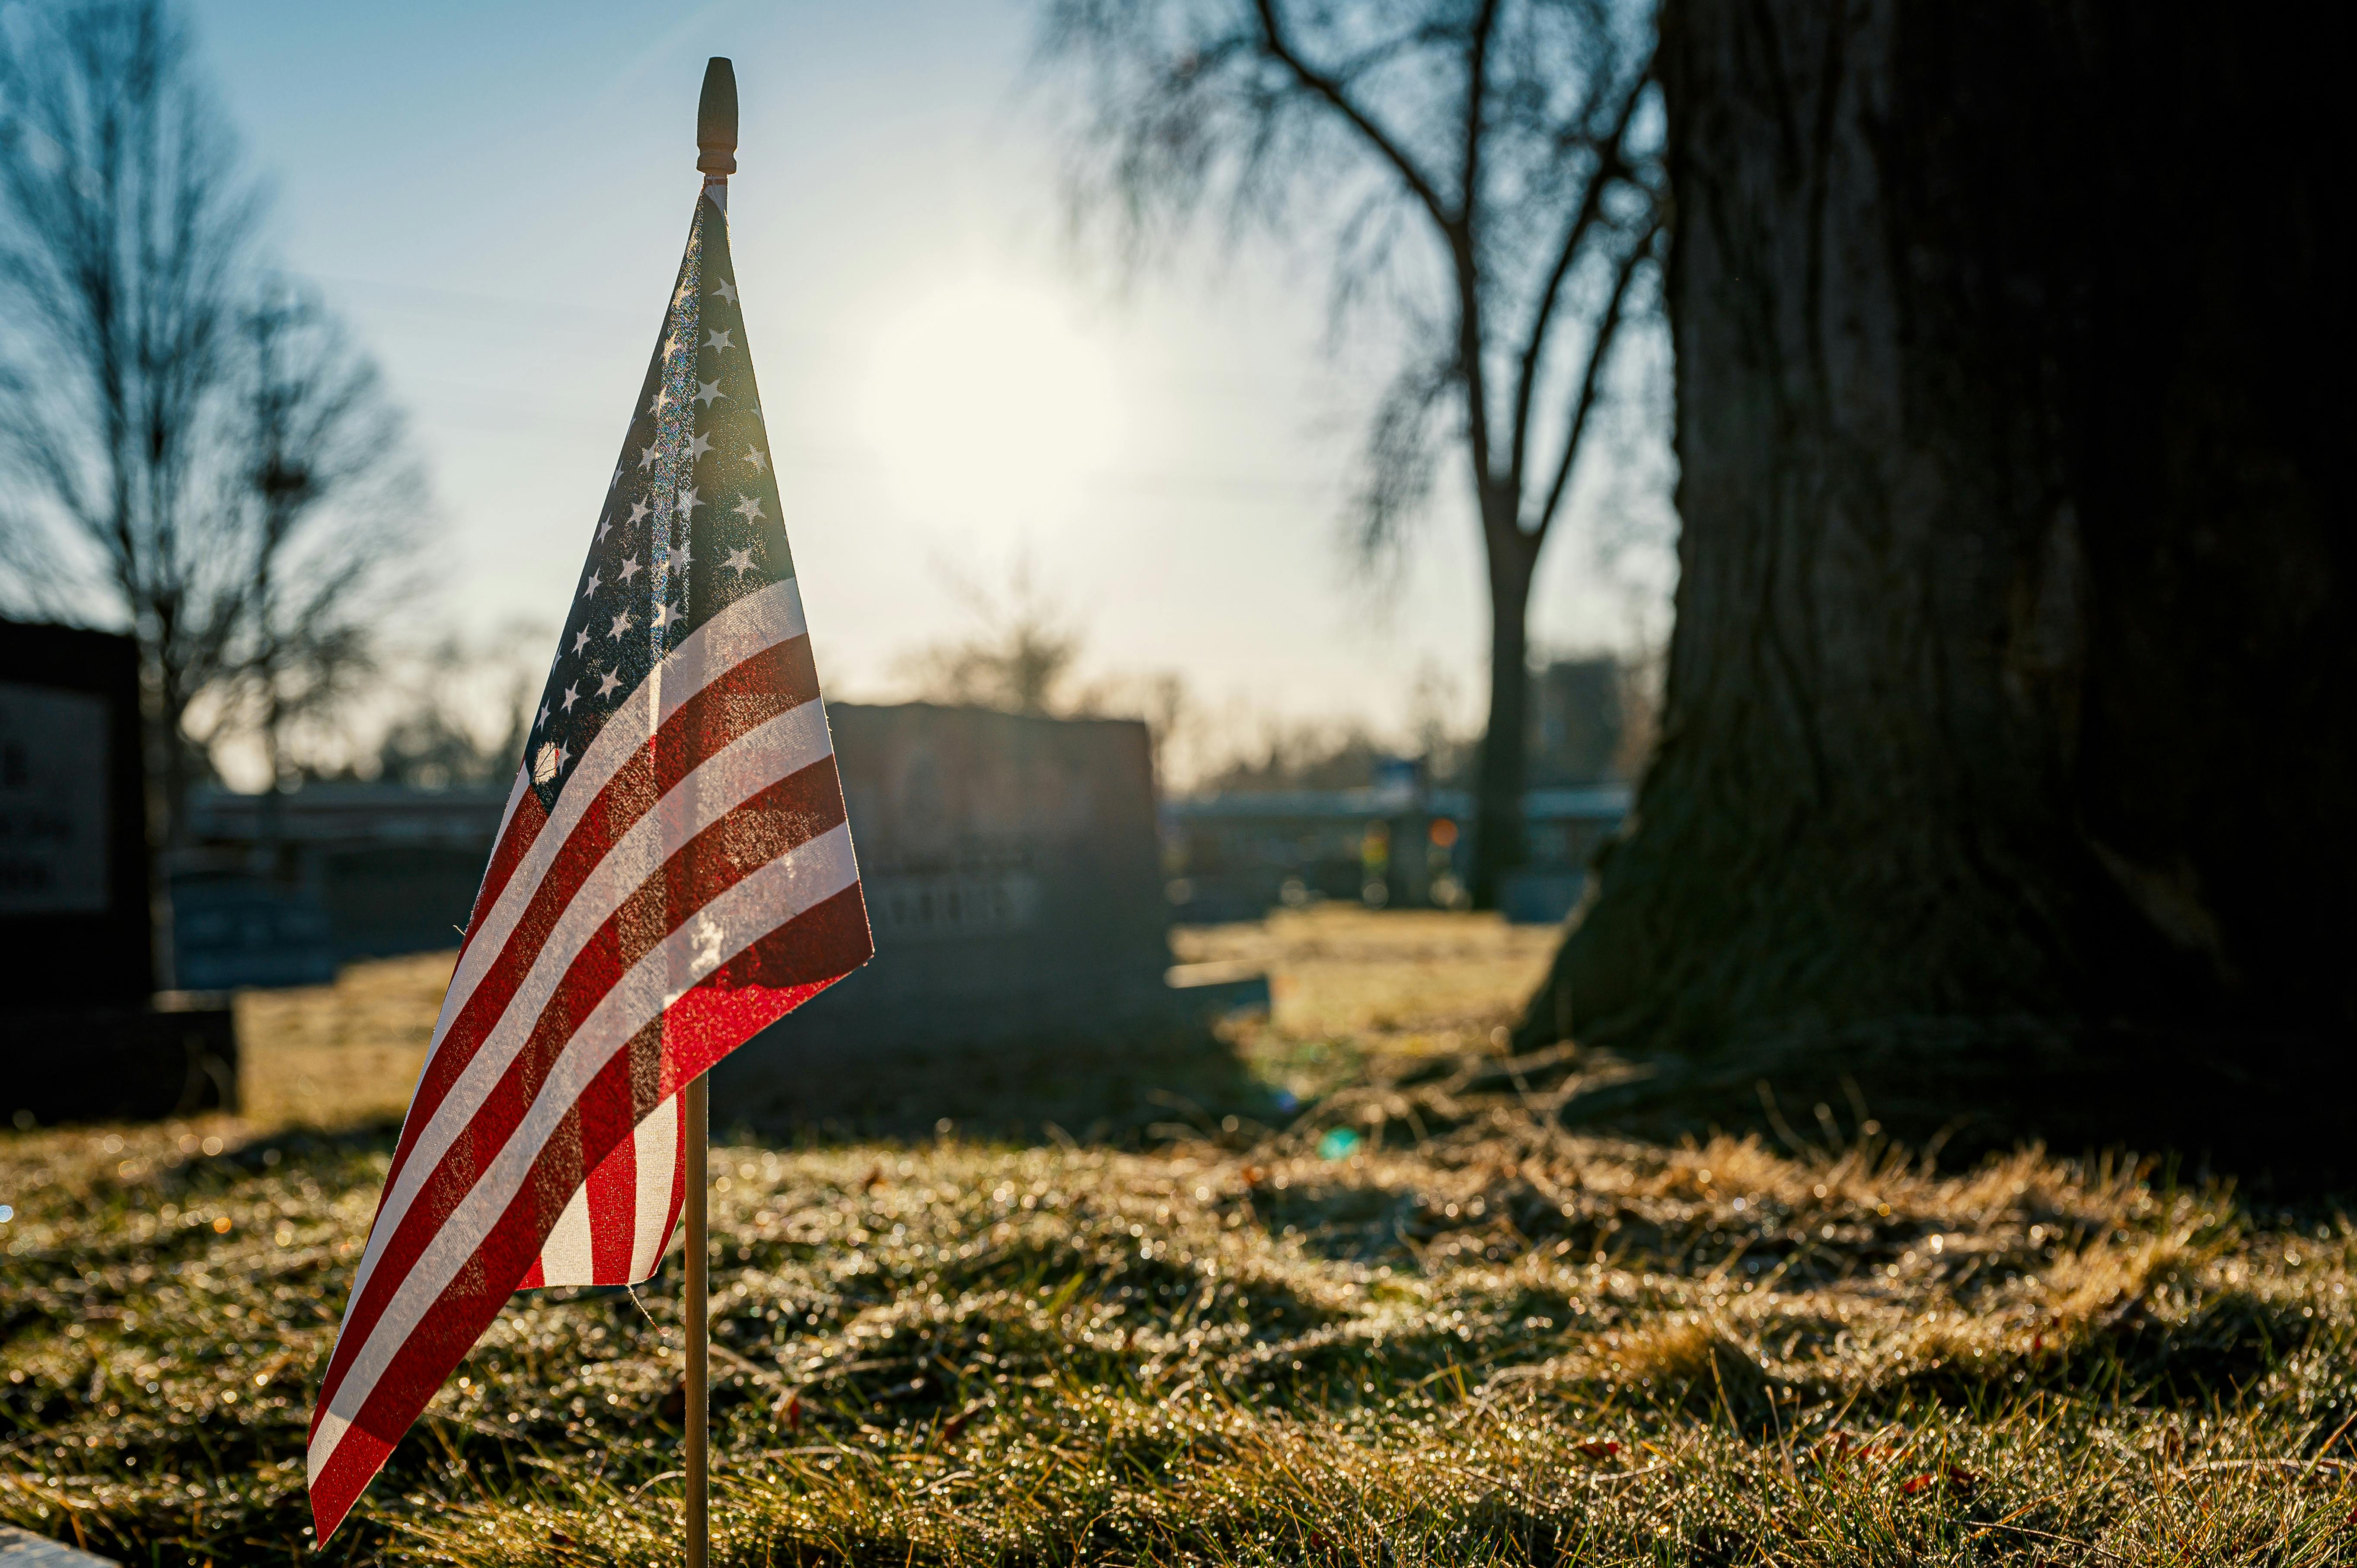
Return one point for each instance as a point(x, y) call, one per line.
point(1019, 662)
point(467, 710)
point(320, 439)
point(189, 450)
point(2007, 743)
point(1025, 658)
point(1485, 175)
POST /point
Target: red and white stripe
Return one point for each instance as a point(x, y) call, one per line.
point(693, 882)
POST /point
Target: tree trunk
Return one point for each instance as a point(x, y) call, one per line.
point(1501, 777)
point(2009, 713)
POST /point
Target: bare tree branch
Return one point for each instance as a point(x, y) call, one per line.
point(1484, 159)
point(1592, 377)
point(211, 470)
point(1334, 93)
point(1575, 238)
point(1470, 340)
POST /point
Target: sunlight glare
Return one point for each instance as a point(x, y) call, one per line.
point(988, 409)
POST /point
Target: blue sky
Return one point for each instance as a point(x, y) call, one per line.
point(496, 195)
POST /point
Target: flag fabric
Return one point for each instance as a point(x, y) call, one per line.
point(674, 873)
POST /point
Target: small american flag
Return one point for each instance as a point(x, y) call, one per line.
point(674, 873)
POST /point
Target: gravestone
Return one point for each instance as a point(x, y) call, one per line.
point(74, 844)
point(1012, 866)
point(23, 1548)
point(79, 1026)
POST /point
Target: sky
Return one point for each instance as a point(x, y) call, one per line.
point(495, 198)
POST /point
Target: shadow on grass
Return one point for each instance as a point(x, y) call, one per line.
point(1142, 1088)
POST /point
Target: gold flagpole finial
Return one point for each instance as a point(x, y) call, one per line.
point(715, 118)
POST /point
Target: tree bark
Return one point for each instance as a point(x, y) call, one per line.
point(1501, 776)
point(2011, 694)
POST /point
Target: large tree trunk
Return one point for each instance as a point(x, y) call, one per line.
point(2010, 720)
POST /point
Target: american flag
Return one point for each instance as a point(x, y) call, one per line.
point(674, 873)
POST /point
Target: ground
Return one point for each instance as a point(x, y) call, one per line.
point(1399, 1317)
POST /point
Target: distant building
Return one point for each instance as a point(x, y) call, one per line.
point(1237, 857)
point(278, 889)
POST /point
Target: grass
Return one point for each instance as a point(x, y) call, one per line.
point(1336, 1340)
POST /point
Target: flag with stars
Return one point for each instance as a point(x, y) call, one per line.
point(674, 873)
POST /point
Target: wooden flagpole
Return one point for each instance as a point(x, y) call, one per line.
point(699, 1301)
point(716, 144)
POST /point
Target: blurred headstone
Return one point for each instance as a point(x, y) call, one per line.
point(80, 1031)
point(1013, 880)
point(74, 844)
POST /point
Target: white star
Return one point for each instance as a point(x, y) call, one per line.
point(581, 640)
point(621, 624)
point(680, 293)
point(591, 588)
point(672, 345)
point(630, 567)
point(682, 556)
point(748, 509)
point(756, 457)
point(647, 455)
point(688, 500)
point(726, 290)
point(662, 616)
point(603, 524)
point(571, 697)
point(739, 561)
point(708, 391)
point(718, 340)
point(697, 446)
point(638, 511)
point(607, 682)
point(542, 721)
point(564, 755)
point(662, 401)
point(617, 479)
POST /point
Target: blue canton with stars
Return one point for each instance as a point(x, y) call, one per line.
point(691, 522)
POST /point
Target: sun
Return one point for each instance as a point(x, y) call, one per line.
point(988, 409)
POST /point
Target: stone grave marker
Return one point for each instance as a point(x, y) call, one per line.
point(80, 1024)
point(1013, 872)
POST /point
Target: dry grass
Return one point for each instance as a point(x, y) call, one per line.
point(1496, 1343)
point(329, 1055)
point(1354, 990)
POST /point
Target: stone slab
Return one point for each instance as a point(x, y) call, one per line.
point(1013, 871)
point(75, 899)
point(20, 1550)
point(119, 1064)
